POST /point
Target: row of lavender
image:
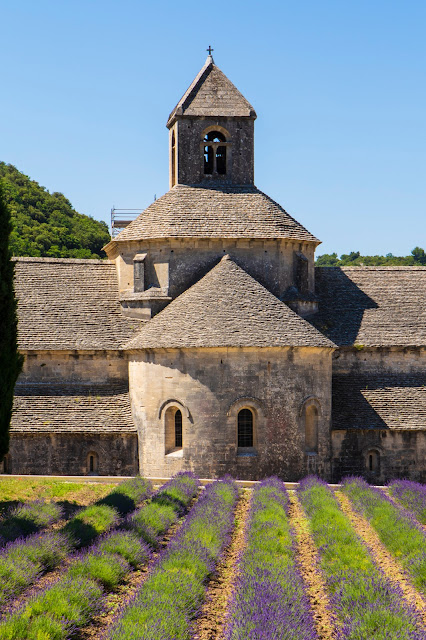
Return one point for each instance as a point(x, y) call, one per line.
point(166, 604)
point(79, 593)
point(366, 603)
point(25, 560)
point(398, 528)
point(269, 598)
point(269, 601)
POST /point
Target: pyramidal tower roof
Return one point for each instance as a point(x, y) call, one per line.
point(212, 94)
point(227, 308)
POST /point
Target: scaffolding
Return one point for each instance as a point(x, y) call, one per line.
point(120, 218)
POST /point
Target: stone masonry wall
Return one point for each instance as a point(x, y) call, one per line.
point(67, 454)
point(379, 360)
point(271, 262)
point(402, 454)
point(210, 386)
point(190, 160)
point(97, 367)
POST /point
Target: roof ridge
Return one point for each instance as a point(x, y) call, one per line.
point(47, 259)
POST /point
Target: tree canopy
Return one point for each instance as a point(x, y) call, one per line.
point(45, 224)
point(354, 259)
point(10, 359)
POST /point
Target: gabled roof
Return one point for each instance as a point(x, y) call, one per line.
point(372, 306)
point(69, 304)
point(212, 94)
point(379, 401)
point(227, 308)
point(214, 211)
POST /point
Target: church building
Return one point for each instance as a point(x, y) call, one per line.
point(208, 341)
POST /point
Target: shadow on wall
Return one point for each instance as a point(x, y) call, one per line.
point(341, 305)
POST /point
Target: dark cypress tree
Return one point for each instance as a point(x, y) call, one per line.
point(10, 359)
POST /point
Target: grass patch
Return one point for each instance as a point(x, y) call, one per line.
point(30, 489)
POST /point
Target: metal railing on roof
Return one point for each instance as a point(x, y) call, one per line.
point(120, 218)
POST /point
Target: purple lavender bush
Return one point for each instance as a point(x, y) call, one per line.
point(60, 609)
point(269, 601)
point(365, 602)
point(412, 495)
point(170, 598)
point(25, 519)
point(397, 528)
point(25, 560)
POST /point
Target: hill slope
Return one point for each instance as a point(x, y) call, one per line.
point(45, 224)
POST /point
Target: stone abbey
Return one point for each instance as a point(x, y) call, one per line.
point(208, 341)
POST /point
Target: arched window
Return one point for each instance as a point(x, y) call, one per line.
point(245, 428)
point(373, 461)
point(173, 430)
point(92, 462)
point(178, 429)
point(214, 151)
point(311, 429)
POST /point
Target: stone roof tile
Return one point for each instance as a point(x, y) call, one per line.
point(372, 306)
point(69, 304)
point(379, 401)
point(72, 408)
point(212, 94)
point(227, 308)
point(214, 211)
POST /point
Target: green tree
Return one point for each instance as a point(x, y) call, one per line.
point(45, 224)
point(10, 358)
point(354, 259)
point(419, 255)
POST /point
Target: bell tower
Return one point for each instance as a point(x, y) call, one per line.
point(211, 135)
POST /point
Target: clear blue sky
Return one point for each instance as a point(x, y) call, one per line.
point(339, 88)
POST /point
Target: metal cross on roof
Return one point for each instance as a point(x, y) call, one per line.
point(210, 50)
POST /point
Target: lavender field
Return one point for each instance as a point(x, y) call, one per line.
point(186, 562)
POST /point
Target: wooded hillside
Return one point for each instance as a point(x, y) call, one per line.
point(45, 224)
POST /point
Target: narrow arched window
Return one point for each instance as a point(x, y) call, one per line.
point(245, 428)
point(214, 151)
point(373, 461)
point(178, 429)
point(311, 429)
point(92, 462)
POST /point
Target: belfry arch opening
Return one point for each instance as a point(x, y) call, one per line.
point(215, 153)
